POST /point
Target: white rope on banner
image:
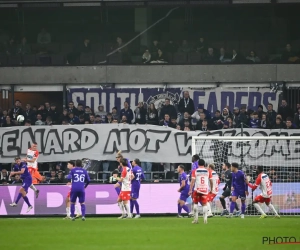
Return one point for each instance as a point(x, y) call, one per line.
point(141, 33)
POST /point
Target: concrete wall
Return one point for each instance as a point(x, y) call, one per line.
point(150, 74)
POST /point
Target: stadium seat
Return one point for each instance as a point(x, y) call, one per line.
point(179, 58)
point(53, 48)
point(194, 58)
point(57, 59)
point(66, 48)
point(115, 58)
point(14, 60)
point(29, 60)
point(86, 59)
point(136, 59)
point(97, 47)
point(99, 58)
point(3, 60)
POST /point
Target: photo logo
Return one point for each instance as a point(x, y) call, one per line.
point(280, 240)
point(159, 100)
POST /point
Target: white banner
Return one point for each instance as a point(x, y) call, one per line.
point(146, 142)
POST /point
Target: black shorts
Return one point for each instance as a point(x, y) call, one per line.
point(226, 193)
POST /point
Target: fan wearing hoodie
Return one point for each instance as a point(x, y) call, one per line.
point(101, 112)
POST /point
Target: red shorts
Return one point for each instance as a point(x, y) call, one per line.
point(124, 195)
point(261, 199)
point(197, 197)
point(210, 197)
point(69, 193)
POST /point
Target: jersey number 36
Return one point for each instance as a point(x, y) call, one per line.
point(79, 178)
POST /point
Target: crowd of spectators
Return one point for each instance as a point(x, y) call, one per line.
point(45, 52)
point(184, 116)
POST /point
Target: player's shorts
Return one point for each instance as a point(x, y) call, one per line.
point(69, 194)
point(36, 177)
point(226, 193)
point(135, 191)
point(210, 197)
point(124, 195)
point(183, 196)
point(197, 197)
point(239, 193)
point(262, 199)
point(77, 194)
point(26, 184)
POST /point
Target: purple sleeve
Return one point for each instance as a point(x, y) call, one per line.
point(129, 164)
point(16, 168)
point(184, 177)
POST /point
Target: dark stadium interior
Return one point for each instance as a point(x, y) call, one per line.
point(259, 34)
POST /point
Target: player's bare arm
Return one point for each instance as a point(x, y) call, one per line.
point(192, 185)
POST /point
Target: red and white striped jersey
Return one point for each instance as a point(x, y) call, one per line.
point(201, 176)
point(126, 175)
point(264, 184)
point(216, 182)
point(30, 155)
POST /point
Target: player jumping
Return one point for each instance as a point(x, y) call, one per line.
point(70, 166)
point(124, 196)
point(31, 159)
point(183, 190)
point(227, 190)
point(27, 181)
point(239, 189)
point(138, 175)
point(265, 184)
point(201, 178)
point(214, 188)
point(80, 180)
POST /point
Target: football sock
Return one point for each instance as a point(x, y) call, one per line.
point(179, 207)
point(273, 209)
point(33, 187)
point(205, 212)
point(131, 206)
point(83, 210)
point(232, 206)
point(18, 198)
point(27, 201)
point(137, 206)
point(68, 211)
point(127, 209)
point(186, 208)
point(243, 208)
point(222, 200)
point(72, 210)
point(196, 212)
point(257, 206)
point(120, 204)
point(208, 208)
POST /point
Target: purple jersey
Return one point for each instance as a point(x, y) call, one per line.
point(183, 177)
point(17, 167)
point(138, 175)
point(80, 179)
point(194, 165)
point(239, 181)
point(26, 175)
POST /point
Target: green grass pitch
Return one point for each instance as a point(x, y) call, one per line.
point(157, 233)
